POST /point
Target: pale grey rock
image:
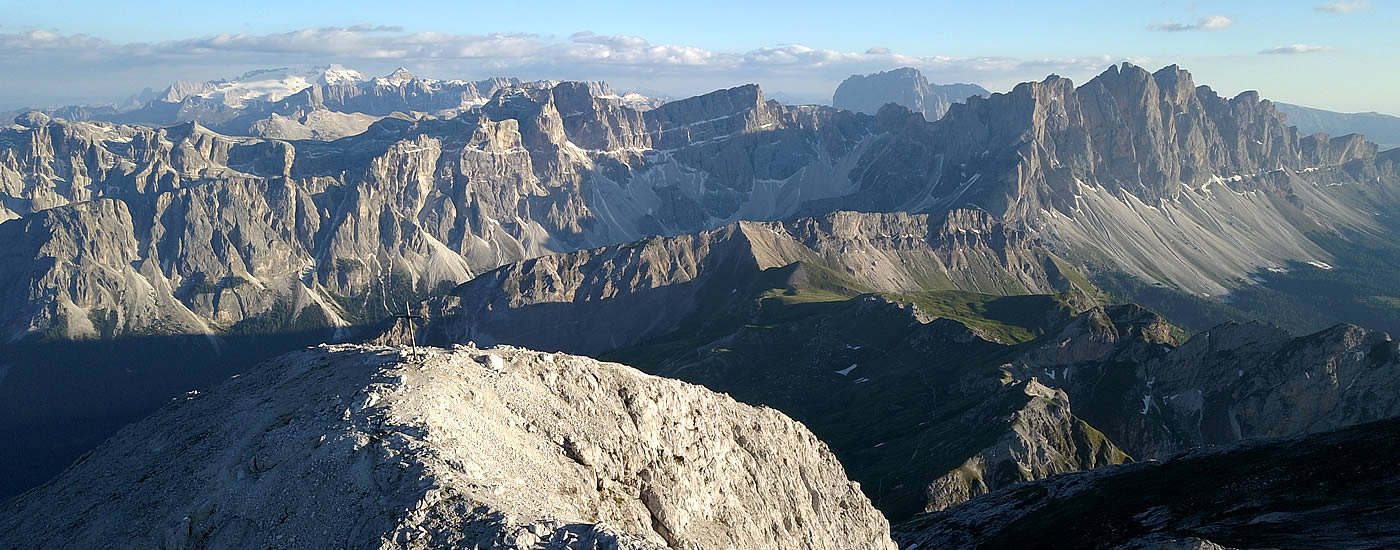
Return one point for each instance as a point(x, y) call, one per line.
point(1132, 169)
point(654, 289)
point(74, 270)
point(351, 224)
point(906, 87)
point(318, 124)
point(32, 119)
point(348, 446)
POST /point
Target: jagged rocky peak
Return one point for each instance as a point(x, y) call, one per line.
point(537, 181)
point(1322, 149)
point(906, 87)
point(533, 109)
point(399, 77)
point(335, 74)
point(1152, 135)
point(100, 288)
point(587, 114)
point(714, 115)
point(499, 448)
point(179, 90)
point(556, 167)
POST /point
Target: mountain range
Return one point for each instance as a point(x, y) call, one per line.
point(1130, 173)
point(880, 361)
point(319, 103)
point(955, 303)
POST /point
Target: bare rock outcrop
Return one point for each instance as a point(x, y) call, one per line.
point(345, 446)
point(1042, 438)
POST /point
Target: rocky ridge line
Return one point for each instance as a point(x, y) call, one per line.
point(508, 448)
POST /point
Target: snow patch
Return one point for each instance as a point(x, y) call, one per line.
point(1147, 397)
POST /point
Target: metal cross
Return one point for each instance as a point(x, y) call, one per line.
point(412, 336)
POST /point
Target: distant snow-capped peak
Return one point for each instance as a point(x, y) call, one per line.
point(262, 84)
point(399, 77)
point(336, 74)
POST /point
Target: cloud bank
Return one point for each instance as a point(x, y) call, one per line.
point(87, 62)
point(1295, 49)
point(1207, 23)
point(1343, 7)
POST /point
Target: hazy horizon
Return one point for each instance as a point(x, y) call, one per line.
point(1317, 54)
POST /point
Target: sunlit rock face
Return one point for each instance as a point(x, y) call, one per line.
point(348, 446)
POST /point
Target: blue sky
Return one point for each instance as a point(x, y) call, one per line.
point(1324, 53)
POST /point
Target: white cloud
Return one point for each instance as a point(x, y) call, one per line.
point(1207, 23)
point(1294, 49)
point(1343, 7)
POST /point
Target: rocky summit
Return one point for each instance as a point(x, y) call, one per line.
point(348, 446)
point(905, 87)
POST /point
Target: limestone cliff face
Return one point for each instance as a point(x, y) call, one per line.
point(47, 163)
point(923, 421)
point(347, 232)
point(1131, 169)
point(1150, 134)
point(1341, 376)
point(906, 87)
point(75, 271)
point(503, 448)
